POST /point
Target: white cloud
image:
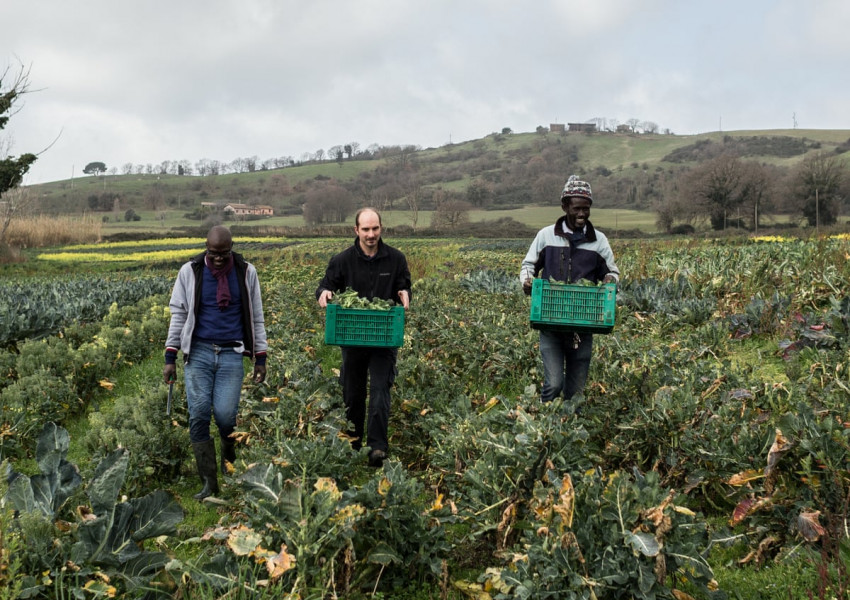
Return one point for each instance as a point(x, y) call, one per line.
point(147, 82)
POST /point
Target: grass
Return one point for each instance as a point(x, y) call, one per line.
point(533, 216)
point(763, 356)
point(162, 223)
point(792, 578)
point(536, 217)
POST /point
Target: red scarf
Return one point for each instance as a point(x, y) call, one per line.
point(222, 291)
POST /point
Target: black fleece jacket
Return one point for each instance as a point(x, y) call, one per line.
point(381, 276)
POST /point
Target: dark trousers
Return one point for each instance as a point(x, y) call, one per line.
point(375, 366)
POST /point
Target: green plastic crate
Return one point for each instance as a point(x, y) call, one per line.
point(569, 307)
point(364, 327)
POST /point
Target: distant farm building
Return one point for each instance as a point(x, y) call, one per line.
point(624, 129)
point(239, 210)
point(583, 127)
point(557, 128)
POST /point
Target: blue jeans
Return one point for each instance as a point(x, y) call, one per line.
point(564, 366)
point(213, 383)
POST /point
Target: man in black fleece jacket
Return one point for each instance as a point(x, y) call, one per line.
point(374, 270)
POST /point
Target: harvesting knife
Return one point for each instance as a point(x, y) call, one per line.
point(168, 405)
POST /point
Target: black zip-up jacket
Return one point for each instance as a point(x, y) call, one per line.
point(381, 276)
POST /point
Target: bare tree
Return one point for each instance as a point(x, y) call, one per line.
point(715, 187)
point(127, 169)
point(817, 184)
point(184, 167)
point(649, 127)
point(400, 156)
point(238, 165)
point(756, 190)
point(12, 169)
point(546, 189)
point(412, 186)
point(450, 214)
point(383, 197)
point(335, 153)
point(328, 204)
point(674, 205)
point(155, 196)
point(479, 193)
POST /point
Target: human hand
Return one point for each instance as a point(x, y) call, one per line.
point(259, 373)
point(325, 297)
point(609, 279)
point(526, 286)
point(169, 373)
point(404, 296)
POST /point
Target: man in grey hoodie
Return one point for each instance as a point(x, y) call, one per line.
point(216, 320)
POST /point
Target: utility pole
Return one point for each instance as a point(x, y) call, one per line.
point(817, 213)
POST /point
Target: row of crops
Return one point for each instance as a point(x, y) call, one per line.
point(716, 414)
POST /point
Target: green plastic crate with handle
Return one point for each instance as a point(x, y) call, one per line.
point(364, 327)
point(571, 307)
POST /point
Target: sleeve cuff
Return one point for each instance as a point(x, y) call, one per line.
point(260, 359)
point(170, 356)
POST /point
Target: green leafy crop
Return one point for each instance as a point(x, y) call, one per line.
point(348, 298)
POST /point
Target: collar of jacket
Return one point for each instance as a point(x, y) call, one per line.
point(589, 231)
point(382, 251)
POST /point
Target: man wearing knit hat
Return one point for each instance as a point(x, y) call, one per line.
point(569, 251)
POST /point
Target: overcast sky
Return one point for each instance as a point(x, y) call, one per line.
point(142, 82)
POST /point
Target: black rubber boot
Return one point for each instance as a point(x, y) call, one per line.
point(207, 468)
point(228, 453)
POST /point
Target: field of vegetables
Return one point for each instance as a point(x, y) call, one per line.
point(708, 458)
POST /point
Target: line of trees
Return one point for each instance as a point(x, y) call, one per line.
point(728, 191)
point(248, 164)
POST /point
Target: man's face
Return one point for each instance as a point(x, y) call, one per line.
point(368, 232)
point(218, 251)
point(578, 212)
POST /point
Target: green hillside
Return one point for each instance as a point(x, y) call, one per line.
point(520, 171)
